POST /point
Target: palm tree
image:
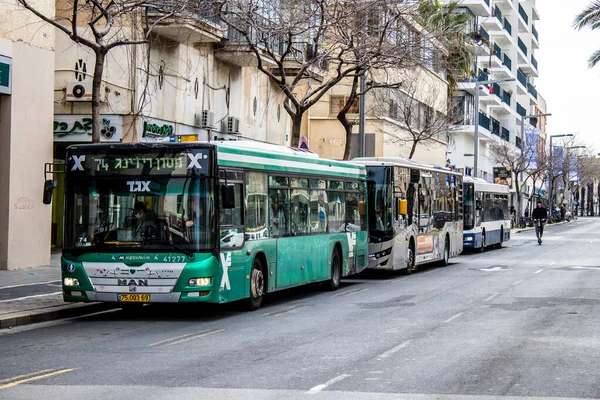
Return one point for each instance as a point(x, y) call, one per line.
point(590, 17)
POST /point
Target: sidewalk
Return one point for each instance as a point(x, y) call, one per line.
point(33, 295)
point(531, 228)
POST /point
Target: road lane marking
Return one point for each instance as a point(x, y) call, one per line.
point(351, 292)
point(34, 378)
point(28, 284)
point(518, 282)
point(330, 382)
point(395, 279)
point(538, 271)
point(428, 272)
point(182, 338)
point(25, 375)
point(393, 350)
point(491, 297)
point(453, 318)
point(30, 297)
point(195, 337)
point(283, 311)
point(553, 262)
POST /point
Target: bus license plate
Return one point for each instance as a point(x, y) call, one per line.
point(134, 298)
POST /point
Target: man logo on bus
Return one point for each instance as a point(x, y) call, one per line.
point(195, 160)
point(225, 263)
point(139, 186)
point(77, 160)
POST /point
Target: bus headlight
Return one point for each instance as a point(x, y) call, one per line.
point(200, 282)
point(71, 282)
point(468, 238)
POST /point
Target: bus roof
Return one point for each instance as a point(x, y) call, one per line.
point(481, 185)
point(272, 157)
point(402, 162)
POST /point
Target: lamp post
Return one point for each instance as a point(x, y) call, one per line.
point(575, 186)
point(551, 167)
point(476, 119)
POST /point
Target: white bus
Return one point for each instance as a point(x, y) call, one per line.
point(486, 214)
point(414, 213)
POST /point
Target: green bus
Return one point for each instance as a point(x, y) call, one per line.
point(207, 222)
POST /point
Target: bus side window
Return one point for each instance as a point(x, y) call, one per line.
point(280, 212)
point(257, 206)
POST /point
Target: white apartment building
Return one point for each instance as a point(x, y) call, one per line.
point(507, 37)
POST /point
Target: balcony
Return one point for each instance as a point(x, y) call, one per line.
point(480, 8)
point(521, 82)
point(202, 27)
point(535, 40)
point(523, 19)
point(508, 62)
point(484, 121)
point(493, 23)
point(495, 126)
point(522, 46)
point(505, 134)
point(534, 62)
point(533, 92)
point(506, 98)
point(519, 143)
point(237, 51)
point(521, 110)
point(298, 55)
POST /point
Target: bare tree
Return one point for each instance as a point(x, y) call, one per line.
point(306, 47)
point(102, 25)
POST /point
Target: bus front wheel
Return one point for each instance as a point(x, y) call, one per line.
point(336, 271)
point(257, 285)
point(446, 259)
point(410, 259)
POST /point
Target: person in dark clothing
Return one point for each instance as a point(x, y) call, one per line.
point(541, 214)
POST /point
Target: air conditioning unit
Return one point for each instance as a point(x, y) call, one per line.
point(79, 91)
point(231, 125)
point(205, 120)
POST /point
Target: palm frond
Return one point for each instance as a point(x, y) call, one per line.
point(589, 17)
point(594, 59)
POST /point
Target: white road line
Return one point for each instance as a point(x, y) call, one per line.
point(351, 292)
point(28, 284)
point(395, 279)
point(553, 262)
point(518, 282)
point(393, 350)
point(491, 297)
point(30, 297)
point(538, 271)
point(330, 382)
point(453, 318)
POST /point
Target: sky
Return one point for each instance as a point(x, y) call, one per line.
point(571, 89)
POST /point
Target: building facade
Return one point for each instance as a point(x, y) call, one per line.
point(505, 39)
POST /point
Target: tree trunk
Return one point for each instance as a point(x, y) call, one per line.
point(342, 117)
point(96, 88)
point(296, 125)
point(413, 149)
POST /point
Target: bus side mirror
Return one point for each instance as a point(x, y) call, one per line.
point(49, 186)
point(362, 208)
point(402, 207)
point(227, 196)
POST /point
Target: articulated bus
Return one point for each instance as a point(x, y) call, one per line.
point(415, 213)
point(207, 222)
point(487, 219)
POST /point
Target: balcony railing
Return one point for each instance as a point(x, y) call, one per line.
point(505, 134)
point(495, 126)
point(497, 90)
point(497, 13)
point(521, 110)
point(534, 62)
point(506, 97)
point(483, 76)
point(507, 61)
point(521, 77)
point(484, 33)
point(522, 46)
point(484, 121)
point(487, 2)
point(532, 90)
point(535, 32)
point(507, 26)
point(497, 51)
point(523, 14)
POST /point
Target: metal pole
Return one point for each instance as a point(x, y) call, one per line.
point(476, 134)
point(361, 120)
point(551, 171)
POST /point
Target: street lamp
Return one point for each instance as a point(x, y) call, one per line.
point(530, 116)
point(476, 119)
point(550, 168)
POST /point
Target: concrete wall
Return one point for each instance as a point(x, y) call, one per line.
point(26, 144)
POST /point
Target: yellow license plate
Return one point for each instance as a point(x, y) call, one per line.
point(134, 298)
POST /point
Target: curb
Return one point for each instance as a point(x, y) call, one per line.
point(20, 318)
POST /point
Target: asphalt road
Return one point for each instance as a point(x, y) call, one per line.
point(520, 322)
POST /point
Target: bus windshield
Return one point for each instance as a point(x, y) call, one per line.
point(381, 222)
point(167, 213)
point(469, 206)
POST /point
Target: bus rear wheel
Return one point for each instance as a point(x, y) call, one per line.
point(499, 244)
point(446, 259)
point(482, 248)
point(333, 283)
point(257, 285)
